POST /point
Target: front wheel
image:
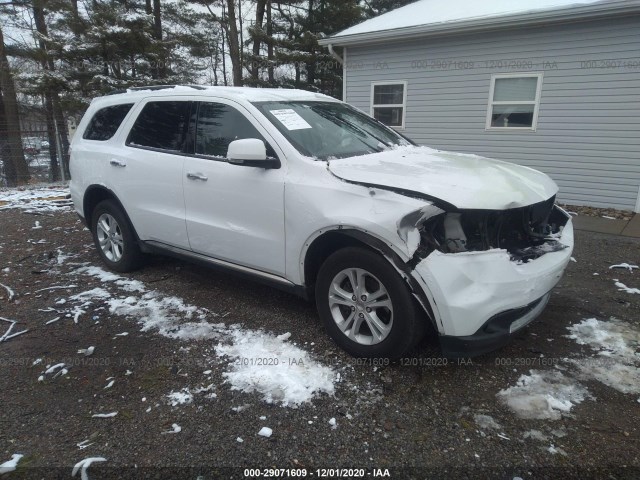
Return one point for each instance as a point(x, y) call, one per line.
point(114, 237)
point(366, 306)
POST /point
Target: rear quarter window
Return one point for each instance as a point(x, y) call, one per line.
point(105, 122)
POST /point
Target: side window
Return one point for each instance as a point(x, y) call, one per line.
point(161, 125)
point(219, 125)
point(105, 122)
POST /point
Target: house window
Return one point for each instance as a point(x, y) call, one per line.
point(514, 101)
point(388, 102)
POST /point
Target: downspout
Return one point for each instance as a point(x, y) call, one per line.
point(335, 55)
point(341, 61)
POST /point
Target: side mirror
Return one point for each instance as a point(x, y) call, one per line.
point(250, 152)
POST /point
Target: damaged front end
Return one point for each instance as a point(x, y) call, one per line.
point(526, 233)
point(487, 273)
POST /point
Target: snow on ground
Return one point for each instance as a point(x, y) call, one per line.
point(555, 450)
point(535, 435)
point(35, 199)
point(551, 394)
point(87, 351)
point(613, 338)
point(182, 397)
point(268, 365)
point(104, 415)
point(623, 288)
point(486, 422)
point(8, 334)
point(543, 395)
point(10, 292)
point(83, 465)
point(624, 265)
point(175, 428)
point(10, 465)
point(616, 344)
point(257, 361)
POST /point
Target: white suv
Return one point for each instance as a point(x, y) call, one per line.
point(309, 194)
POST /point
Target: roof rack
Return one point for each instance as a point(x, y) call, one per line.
point(154, 87)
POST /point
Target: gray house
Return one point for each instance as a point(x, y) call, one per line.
point(550, 84)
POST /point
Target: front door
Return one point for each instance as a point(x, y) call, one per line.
point(234, 213)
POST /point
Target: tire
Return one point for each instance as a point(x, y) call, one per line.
point(114, 237)
point(392, 324)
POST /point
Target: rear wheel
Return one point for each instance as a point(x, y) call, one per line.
point(114, 237)
point(366, 306)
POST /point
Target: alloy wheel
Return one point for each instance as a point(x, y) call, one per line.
point(361, 306)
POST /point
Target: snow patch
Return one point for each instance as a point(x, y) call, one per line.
point(543, 395)
point(104, 415)
point(175, 428)
point(613, 338)
point(7, 334)
point(486, 422)
point(93, 294)
point(10, 465)
point(83, 465)
point(10, 292)
point(536, 435)
point(259, 362)
point(555, 450)
point(624, 265)
point(182, 397)
point(87, 351)
point(616, 343)
point(623, 288)
point(279, 371)
point(265, 432)
point(36, 199)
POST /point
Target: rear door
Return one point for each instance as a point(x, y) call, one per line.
point(147, 174)
point(234, 213)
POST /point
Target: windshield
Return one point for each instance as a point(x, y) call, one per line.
point(329, 130)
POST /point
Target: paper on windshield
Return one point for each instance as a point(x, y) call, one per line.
point(290, 119)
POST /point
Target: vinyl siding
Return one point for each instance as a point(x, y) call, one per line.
point(588, 131)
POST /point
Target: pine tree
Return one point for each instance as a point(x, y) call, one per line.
point(298, 26)
point(373, 8)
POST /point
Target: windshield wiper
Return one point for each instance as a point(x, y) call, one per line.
point(363, 133)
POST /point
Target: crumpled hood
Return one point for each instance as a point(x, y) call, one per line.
point(465, 181)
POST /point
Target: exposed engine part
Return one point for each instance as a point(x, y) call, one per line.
point(526, 233)
point(455, 239)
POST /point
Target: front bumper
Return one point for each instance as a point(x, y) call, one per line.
point(468, 290)
point(495, 333)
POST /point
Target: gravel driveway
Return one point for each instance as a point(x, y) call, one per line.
point(182, 379)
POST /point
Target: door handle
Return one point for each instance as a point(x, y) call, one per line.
point(197, 176)
point(117, 163)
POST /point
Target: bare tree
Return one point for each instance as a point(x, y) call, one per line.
point(160, 70)
point(234, 44)
point(15, 165)
point(59, 123)
point(257, 41)
point(270, 68)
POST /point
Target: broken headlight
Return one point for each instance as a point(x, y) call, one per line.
point(526, 232)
